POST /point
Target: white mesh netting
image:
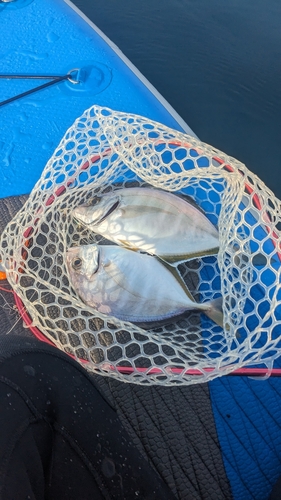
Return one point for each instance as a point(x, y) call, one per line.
point(107, 150)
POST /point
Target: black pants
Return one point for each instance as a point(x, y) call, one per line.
point(59, 438)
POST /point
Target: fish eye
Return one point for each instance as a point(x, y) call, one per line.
point(76, 264)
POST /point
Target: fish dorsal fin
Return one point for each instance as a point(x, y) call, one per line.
point(177, 259)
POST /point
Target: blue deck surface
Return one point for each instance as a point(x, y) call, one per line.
point(48, 37)
point(248, 419)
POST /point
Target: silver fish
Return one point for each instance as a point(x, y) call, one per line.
point(154, 221)
point(131, 286)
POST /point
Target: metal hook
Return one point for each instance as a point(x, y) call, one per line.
point(71, 79)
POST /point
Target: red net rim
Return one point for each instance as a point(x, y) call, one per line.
point(255, 372)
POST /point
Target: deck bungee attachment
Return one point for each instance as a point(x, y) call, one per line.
point(71, 77)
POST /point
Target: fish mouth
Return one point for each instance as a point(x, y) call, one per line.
point(108, 212)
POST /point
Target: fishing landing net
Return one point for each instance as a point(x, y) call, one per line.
point(106, 150)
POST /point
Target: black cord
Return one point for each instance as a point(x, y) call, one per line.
point(32, 77)
point(54, 80)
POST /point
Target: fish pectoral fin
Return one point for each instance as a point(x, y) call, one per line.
point(178, 258)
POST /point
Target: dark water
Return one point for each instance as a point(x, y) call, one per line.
point(218, 62)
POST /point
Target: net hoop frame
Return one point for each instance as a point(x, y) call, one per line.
point(230, 369)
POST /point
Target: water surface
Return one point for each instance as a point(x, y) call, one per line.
point(217, 62)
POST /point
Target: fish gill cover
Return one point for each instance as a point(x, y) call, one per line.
point(104, 153)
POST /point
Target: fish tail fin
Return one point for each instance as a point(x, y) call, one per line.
point(214, 312)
